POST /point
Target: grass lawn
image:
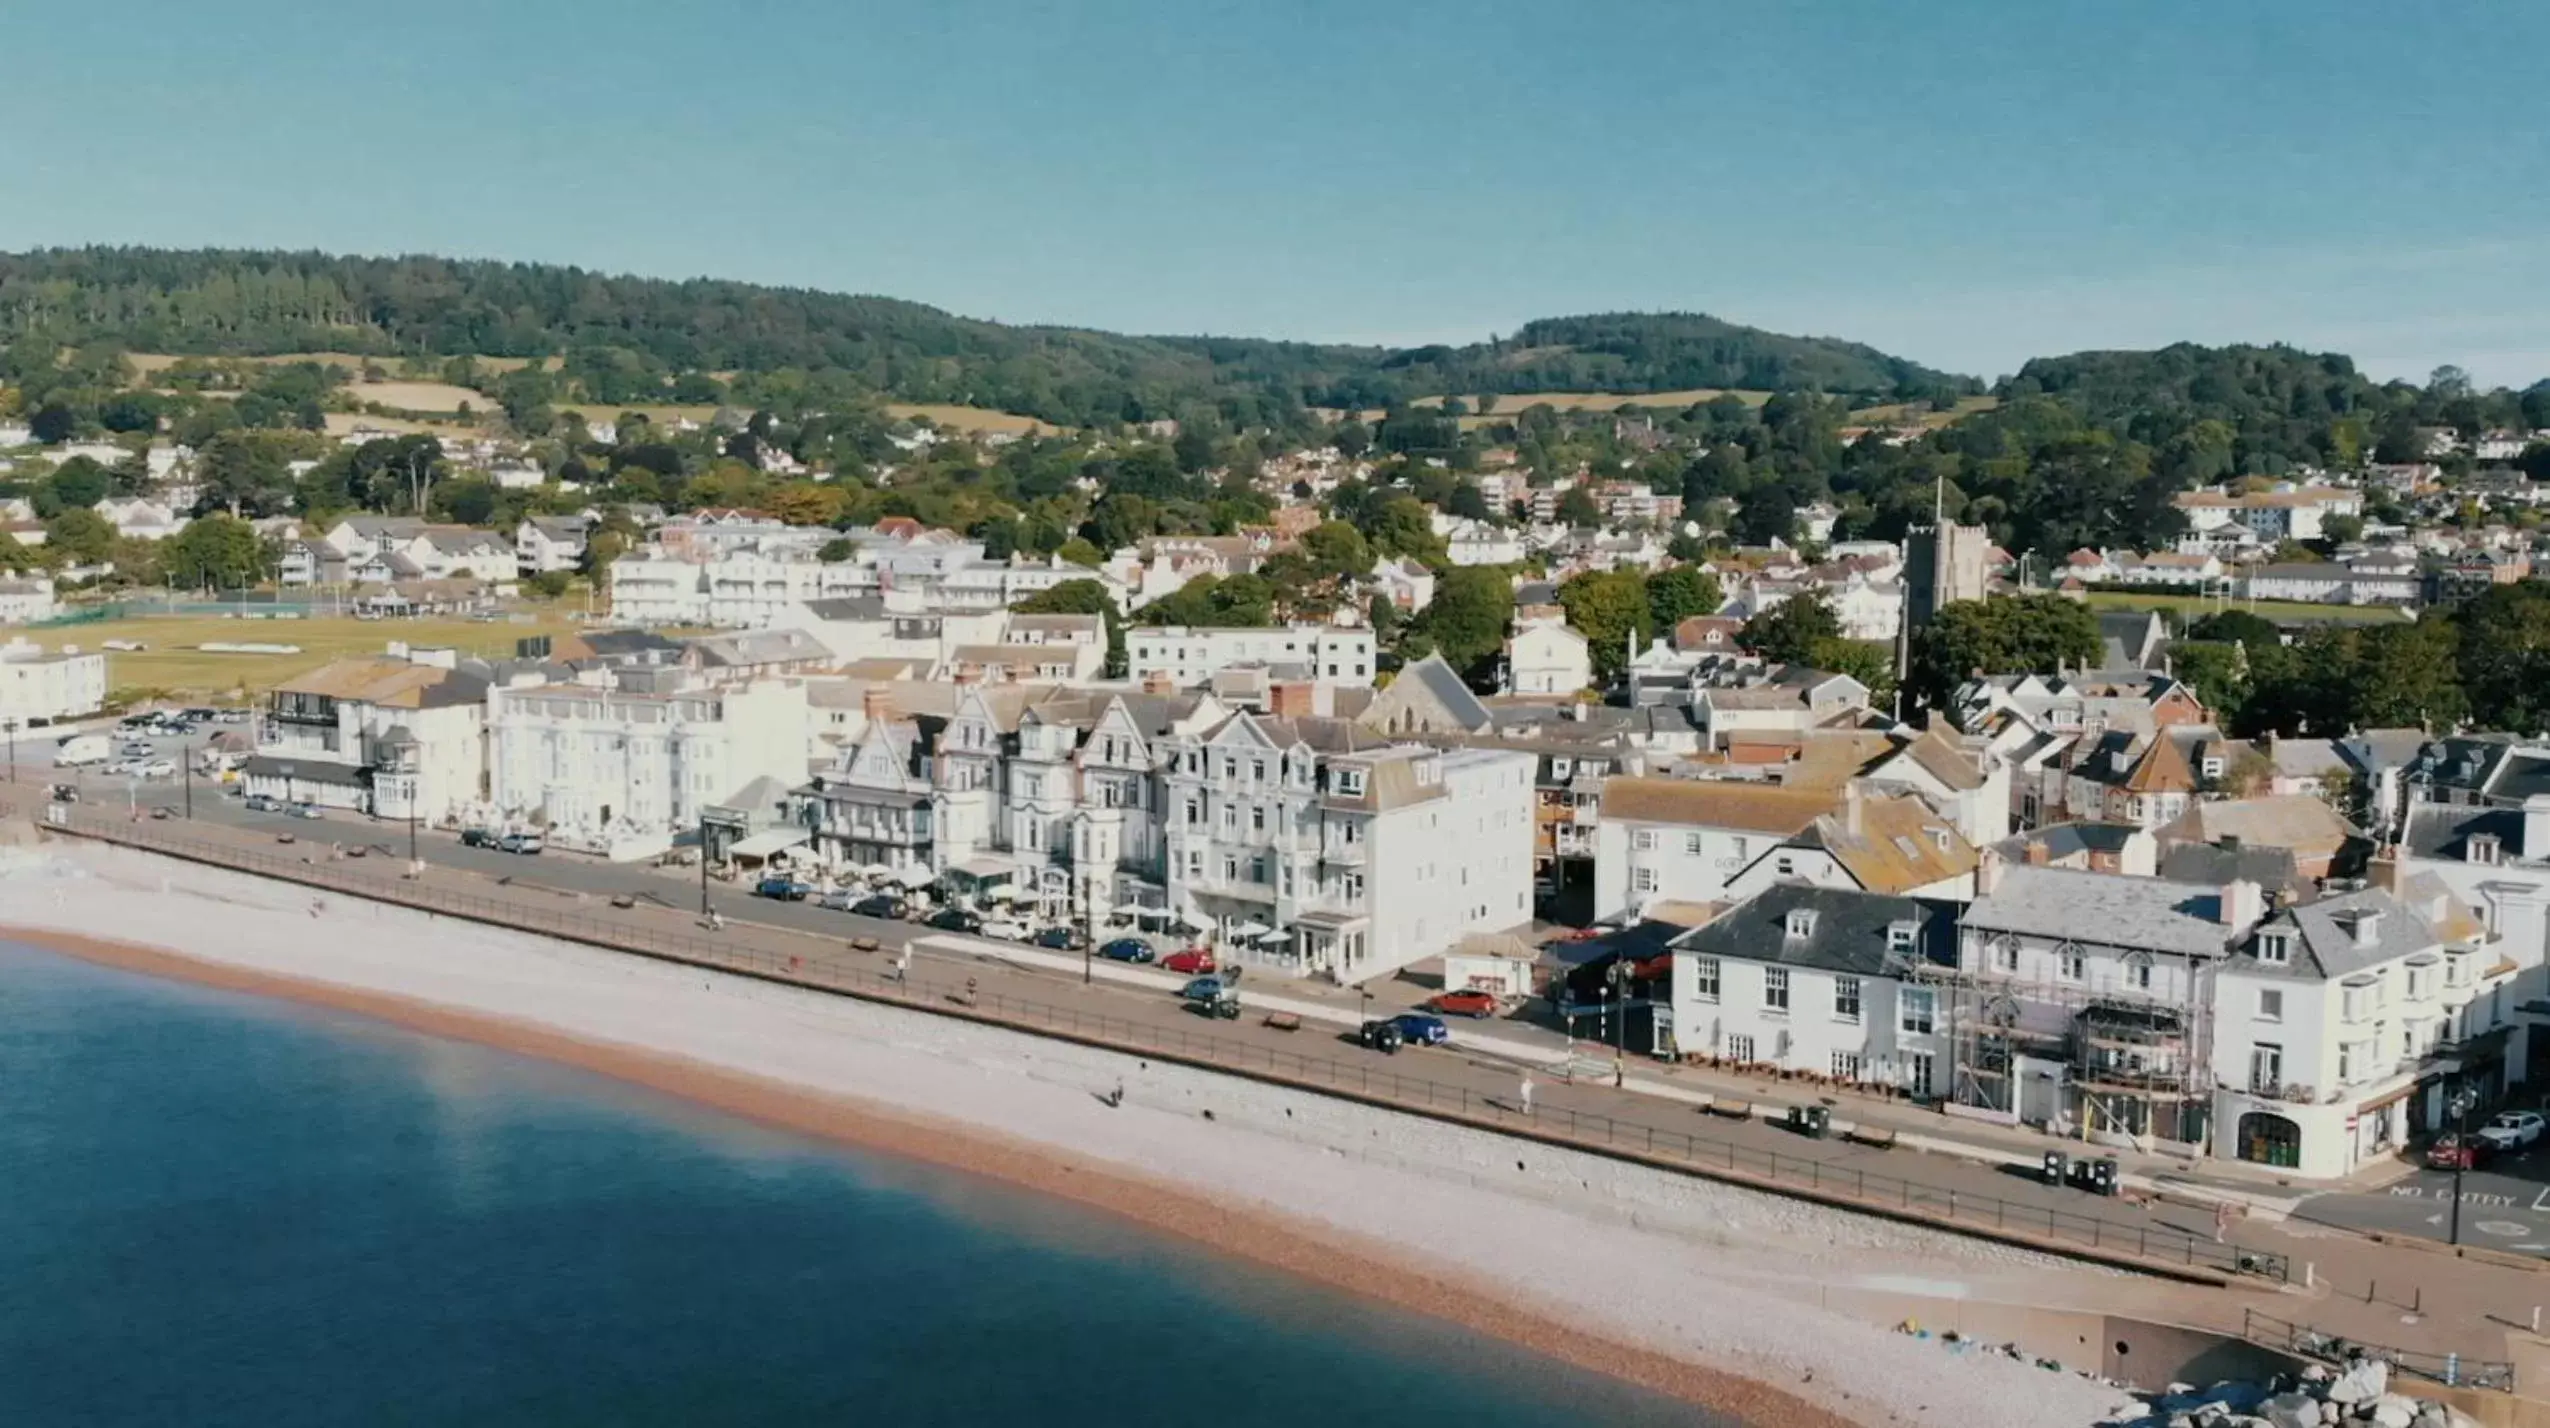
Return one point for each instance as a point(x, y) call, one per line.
point(170, 660)
point(957, 418)
point(2196, 607)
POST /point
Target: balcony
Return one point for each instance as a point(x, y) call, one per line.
point(1347, 855)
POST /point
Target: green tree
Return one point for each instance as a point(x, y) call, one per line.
point(79, 536)
point(218, 550)
point(53, 423)
point(2505, 656)
point(2003, 634)
point(1609, 608)
point(80, 482)
point(2238, 627)
point(1577, 507)
point(1768, 513)
point(1468, 503)
point(1399, 525)
point(1792, 631)
point(1467, 619)
point(2218, 672)
point(1679, 592)
point(1872, 664)
point(1336, 552)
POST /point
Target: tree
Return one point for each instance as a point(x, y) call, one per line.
point(1467, 503)
point(80, 536)
point(2505, 656)
point(53, 423)
point(1577, 508)
point(1467, 619)
point(1872, 664)
point(2342, 530)
point(1609, 608)
point(2002, 634)
point(218, 550)
point(2238, 627)
point(1399, 525)
point(1768, 513)
point(2218, 671)
point(1336, 552)
point(1791, 631)
point(80, 482)
point(1679, 592)
point(837, 550)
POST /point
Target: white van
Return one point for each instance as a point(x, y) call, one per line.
point(82, 749)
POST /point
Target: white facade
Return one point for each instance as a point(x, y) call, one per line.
point(1189, 656)
point(612, 761)
point(1549, 658)
point(26, 600)
point(37, 687)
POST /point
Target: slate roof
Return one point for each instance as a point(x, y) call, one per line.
point(2270, 868)
point(1848, 934)
point(2104, 908)
point(2063, 840)
point(2443, 831)
point(1446, 686)
point(1900, 845)
point(2324, 945)
point(848, 607)
point(2297, 821)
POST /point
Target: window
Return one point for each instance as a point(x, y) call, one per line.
point(2274, 947)
point(1704, 978)
point(1846, 999)
point(1643, 879)
point(1257, 818)
point(1230, 869)
point(2457, 967)
point(2138, 971)
point(2419, 983)
point(1740, 1049)
point(2354, 999)
point(1775, 989)
point(1917, 1073)
point(1899, 936)
point(2005, 954)
point(2270, 1004)
point(2069, 964)
point(1801, 922)
point(1257, 771)
point(1353, 886)
point(1916, 1010)
point(1736, 846)
point(1845, 1065)
point(1644, 840)
point(2353, 1057)
point(2266, 1068)
point(1691, 844)
point(1787, 866)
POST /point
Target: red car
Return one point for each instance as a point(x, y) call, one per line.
point(1194, 962)
point(2454, 1152)
point(1471, 1004)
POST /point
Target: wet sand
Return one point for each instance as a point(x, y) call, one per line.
point(1371, 1269)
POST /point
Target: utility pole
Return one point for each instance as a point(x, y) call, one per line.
point(2462, 1101)
point(187, 757)
point(704, 909)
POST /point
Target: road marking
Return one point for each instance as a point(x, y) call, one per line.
point(2503, 1229)
point(2434, 1219)
point(2542, 1200)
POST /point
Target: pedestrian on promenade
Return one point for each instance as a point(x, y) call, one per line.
point(2222, 1221)
point(1527, 1093)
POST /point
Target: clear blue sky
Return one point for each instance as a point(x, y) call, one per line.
point(1966, 183)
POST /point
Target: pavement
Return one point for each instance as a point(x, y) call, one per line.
point(2407, 1292)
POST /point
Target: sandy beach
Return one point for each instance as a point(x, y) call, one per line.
point(1716, 1295)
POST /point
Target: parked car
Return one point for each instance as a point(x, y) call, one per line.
point(885, 905)
point(1062, 938)
point(2454, 1152)
point(1211, 996)
point(1419, 1029)
point(783, 888)
point(1007, 928)
point(1128, 949)
point(524, 843)
point(1380, 1035)
point(839, 900)
point(1192, 960)
point(134, 748)
point(311, 810)
point(2513, 1130)
point(158, 768)
point(955, 919)
point(264, 803)
point(469, 837)
point(1465, 1003)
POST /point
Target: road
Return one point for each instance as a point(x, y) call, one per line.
point(2505, 1206)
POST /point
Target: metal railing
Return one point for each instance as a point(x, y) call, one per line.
point(2451, 1370)
point(929, 989)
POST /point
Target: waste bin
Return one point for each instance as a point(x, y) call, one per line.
point(2058, 1167)
point(1813, 1122)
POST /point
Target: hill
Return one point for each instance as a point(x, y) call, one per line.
point(655, 331)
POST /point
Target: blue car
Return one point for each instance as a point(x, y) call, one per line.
point(1127, 949)
point(783, 889)
point(1418, 1029)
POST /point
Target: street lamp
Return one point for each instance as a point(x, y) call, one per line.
point(2460, 1108)
point(1619, 990)
point(185, 757)
point(12, 722)
point(704, 909)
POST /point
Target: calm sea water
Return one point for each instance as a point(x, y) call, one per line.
point(216, 1209)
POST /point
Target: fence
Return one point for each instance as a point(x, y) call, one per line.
point(1848, 1187)
point(2451, 1370)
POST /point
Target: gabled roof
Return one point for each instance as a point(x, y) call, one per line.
point(1707, 803)
point(2297, 821)
point(1844, 930)
point(2324, 941)
point(2162, 769)
point(2105, 908)
point(1899, 844)
point(1431, 693)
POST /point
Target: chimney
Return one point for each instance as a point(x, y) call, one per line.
point(2385, 872)
point(1987, 872)
point(877, 703)
point(1854, 809)
point(969, 674)
point(2242, 903)
point(2038, 854)
point(1292, 699)
point(1159, 682)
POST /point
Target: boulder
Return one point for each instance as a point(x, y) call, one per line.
point(2432, 1415)
point(2393, 1411)
point(2315, 1373)
point(2332, 1413)
point(2291, 1410)
point(2364, 1381)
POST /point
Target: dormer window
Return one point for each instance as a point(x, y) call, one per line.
point(1899, 937)
point(2275, 948)
point(1350, 782)
point(2482, 849)
point(1801, 922)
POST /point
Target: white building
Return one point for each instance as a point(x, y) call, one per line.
point(1820, 981)
point(394, 735)
point(37, 687)
point(1547, 657)
point(140, 518)
point(1190, 655)
point(543, 544)
point(1685, 840)
point(1472, 542)
point(27, 599)
point(2340, 1027)
point(643, 758)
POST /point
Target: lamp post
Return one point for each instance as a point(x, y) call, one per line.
point(704, 909)
point(1619, 976)
point(12, 722)
point(187, 758)
point(413, 861)
point(2460, 1107)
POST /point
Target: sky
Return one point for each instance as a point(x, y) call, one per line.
point(1967, 183)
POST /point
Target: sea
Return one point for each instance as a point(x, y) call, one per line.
point(220, 1209)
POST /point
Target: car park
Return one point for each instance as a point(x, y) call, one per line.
point(1469, 1003)
point(1128, 949)
point(1419, 1029)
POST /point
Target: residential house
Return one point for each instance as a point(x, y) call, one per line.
point(1548, 657)
point(1686, 839)
point(2300, 822)
point(1787, 705)
point(38, 686)
point(140, 518)
point(1873, 842)
point(25, 600)
point(1190, 655)
point(548, 544)
point(636, 762)
point(401, 735)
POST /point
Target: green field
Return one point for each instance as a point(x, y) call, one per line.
point(2196, 607)
point(171, 662)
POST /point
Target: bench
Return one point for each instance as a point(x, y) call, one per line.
point(1732, 1110)
point(1879, 1137)
point(1284, 1020)
point(863, 944)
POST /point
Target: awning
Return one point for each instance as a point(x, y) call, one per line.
point(1251, 929)
point(982, 869)
point(916, 877)
point(763, 844)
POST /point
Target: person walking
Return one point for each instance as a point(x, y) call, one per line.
point(1527, 1093)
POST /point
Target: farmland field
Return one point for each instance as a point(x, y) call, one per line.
point(1905, 413)
point(170, 660)
point(2196, 607)
point(957, 418)
point(418, 396)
